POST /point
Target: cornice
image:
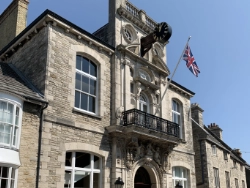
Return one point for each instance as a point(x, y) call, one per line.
point(180, 90)
point(46, 20)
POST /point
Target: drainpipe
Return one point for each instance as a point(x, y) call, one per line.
point(40, 144)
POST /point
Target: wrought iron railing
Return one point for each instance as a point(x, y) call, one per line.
point(149, 121)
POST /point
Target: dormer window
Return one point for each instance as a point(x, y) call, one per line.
point(144, 75)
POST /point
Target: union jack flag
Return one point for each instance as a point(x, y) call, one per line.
point(190, 61)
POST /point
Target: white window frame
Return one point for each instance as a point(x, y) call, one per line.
point(17, 103)
point(9, 178)
point(90, 77)
point(175, 112)
point(184, 179)
point(72, 168)
point(216, 178)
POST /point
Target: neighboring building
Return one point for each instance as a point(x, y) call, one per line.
point(89, 107)
point(217, 165)
point(248, 175)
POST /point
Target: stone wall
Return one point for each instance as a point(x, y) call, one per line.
point(13, 21)
point(28, 146)
point(31, 59)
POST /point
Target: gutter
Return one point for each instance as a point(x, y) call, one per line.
point(40, 144)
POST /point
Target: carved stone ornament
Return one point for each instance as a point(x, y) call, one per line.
point(119, 111)
point(138, 89)
point(136, 150)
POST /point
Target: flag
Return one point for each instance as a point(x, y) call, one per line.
point(190, 61)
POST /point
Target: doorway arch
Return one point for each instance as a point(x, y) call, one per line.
point(142, 178)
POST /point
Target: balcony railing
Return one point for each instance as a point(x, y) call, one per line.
point(132, 9)
point(149, 121)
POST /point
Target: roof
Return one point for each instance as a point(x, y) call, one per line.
point(182, 87)
point(49, 12)
point(211, 137)
point(13, 81)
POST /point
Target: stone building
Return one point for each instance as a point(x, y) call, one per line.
point(90, 107)
point(216, 164)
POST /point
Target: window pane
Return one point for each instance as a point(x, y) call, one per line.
point(85, 84)
point(82, 179)
point(82, 160)
point(4, 183)
point(67, 179)
point(93, 71)
point(85, 65)
point(12, 183)
point(84, 101)
point(92, 87)
point(15, 136)
point(17, 116)
point(68, 159)
point(96, 162)
point(96, 180)
point(78, 81)
point(78, 62)
point(3, 106)
point(77, 99)
point(91, 104)
point(178, 172)
point(5, 171)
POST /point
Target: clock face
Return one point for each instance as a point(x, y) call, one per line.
point(162, 32)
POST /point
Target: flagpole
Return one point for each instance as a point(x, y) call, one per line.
point(170, 80)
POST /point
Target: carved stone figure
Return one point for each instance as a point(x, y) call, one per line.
point(157, 157)
point(119, 112)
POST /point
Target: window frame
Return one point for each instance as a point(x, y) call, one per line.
point(236, 183)
point(184, 179)
point(91, 170)
point(13, 126)
point(216, 177)
point(90, 77)
point(9, 177)
point(214, 149)
point(179, 114)
point(227, 179)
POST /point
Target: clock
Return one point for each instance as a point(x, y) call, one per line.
point(162, 32)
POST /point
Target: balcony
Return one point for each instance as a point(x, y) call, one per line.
point(143, 125)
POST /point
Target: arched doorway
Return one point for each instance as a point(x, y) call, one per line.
point(142, 179)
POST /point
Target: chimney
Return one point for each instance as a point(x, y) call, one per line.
point(216, 130)
point(238, 152)
point(196, 113)
point(13, 21)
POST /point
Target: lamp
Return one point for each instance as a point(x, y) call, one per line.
point(119, 183)
point(178, 185)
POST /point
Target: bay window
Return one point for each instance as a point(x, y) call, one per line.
point(7, 177)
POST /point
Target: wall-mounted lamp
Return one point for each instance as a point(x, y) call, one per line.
point(119, 183)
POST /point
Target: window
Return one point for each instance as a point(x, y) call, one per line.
point(176, 114)
point(127, 34)
point(214, 150)
point(236, 183)
point(216, 178)
point(131, 72)
point(144, 75)
point(143, 103)
point(241, 167)
point(82, 170)
point(227, 179)
point(180, 175)
point(225, 155)
point(9, 123)
point(85, 84)
point(234, 164)
point(243, 184)
point(7, 177)
point(131, 87)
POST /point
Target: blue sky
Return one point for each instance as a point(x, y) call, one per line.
point(220, 43)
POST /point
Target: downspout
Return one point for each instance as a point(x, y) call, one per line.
point(40, 144)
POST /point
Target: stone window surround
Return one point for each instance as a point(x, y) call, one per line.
point(95, 57)
point(129, 28)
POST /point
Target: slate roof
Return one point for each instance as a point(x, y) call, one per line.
point(211, 137)
point(13, 81)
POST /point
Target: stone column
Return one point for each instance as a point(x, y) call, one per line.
point(113, 170)
point(126, 82)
